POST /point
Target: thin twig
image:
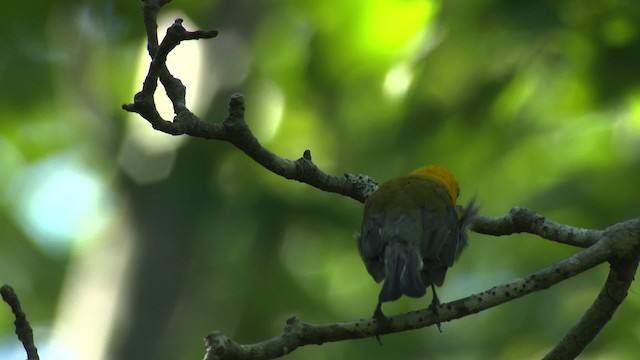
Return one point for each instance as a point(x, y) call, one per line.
point(520, 220)
point(23, 329)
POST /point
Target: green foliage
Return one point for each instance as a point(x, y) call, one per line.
point(529, 103)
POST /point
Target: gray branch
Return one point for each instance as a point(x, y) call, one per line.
point(520, 220)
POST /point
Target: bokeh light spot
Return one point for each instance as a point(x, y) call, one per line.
point(59, 201)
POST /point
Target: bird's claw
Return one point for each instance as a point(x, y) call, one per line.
point(383, 321)
point(435, 304)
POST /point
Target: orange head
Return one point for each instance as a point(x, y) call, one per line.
point(441, 175)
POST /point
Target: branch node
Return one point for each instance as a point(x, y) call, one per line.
point(236, 112)
point(365, 184)
point(176, 27)
point(221, 346)
point(293, 326)
point(236, 105)
point(306, 166)
point(184, 117)
point(292, 320)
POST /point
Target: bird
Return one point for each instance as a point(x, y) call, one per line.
point(412, 232)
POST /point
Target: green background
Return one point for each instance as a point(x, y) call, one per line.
point(132, 244)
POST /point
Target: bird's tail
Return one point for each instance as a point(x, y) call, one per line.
point(402, 269)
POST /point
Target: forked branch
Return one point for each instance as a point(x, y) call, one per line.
point(233, 129)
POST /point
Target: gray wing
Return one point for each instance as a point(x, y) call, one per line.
point(440, 233)
point(442, 246)
point(466, 215)
point(440, 240)
point(371, 246)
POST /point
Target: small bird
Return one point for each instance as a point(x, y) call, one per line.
point(412, 232)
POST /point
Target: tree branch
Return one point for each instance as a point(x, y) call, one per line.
point(610, 297)
point(23, 329)
point(613, 245)
point(520, 220)
point(233, 129)
point(621, 274)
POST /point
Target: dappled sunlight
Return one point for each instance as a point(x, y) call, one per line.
point(302, 253)
point(303, 129)
point(397, 80)
point(147, 155)
point(350, 287)
point(323, 261)
point(555, 152)
point(60, 201)
point(555, 75)
point(626, 133)
point(93, 295)
point(377, 30)
point(400, 75)
point(388, 25)
point(268, 104)
point(11, 161)
point(620, 31)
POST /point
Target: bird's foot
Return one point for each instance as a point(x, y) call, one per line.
point(383, 321)
point(435, 305)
